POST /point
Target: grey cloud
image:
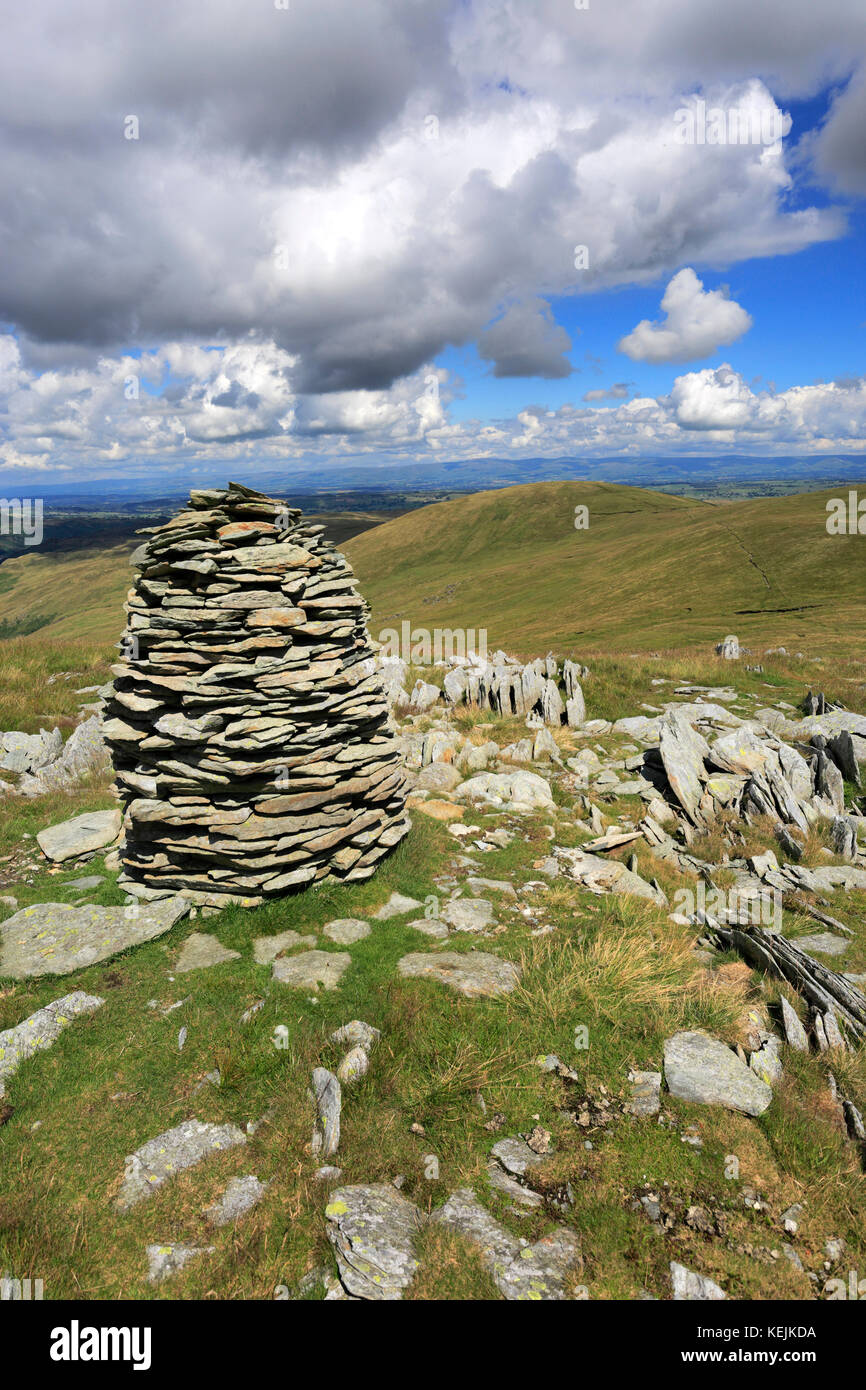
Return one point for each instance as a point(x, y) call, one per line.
point(527, 341)
point(618, 392)
point(839, 148)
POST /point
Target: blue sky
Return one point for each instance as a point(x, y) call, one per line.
point(809, 325)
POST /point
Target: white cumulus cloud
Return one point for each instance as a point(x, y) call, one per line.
point(696, 323)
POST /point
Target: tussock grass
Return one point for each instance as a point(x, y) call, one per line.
point(27, 701)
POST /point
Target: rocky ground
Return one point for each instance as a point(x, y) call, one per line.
point(594, 1030)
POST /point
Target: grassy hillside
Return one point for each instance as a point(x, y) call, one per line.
point(650, 571)
point(78, 595)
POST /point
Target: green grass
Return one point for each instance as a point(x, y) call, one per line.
point(652, 571)
point(39, 677)
point(22, 627)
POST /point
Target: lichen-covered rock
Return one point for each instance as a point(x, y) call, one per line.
point(357, 1034)
point(702, 1069)
point(354, 1065)
point(328, 1097)
point(249, 735)
point(41, 1030)
point(239, 1197)
point(536, 1273)
point(57, 938)
point(169, 1154)
point(372, 1230)
point(165, 1260)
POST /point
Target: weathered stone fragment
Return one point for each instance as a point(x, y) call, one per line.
point(169, 1154)
point(372, 1231)
point(702, 1069)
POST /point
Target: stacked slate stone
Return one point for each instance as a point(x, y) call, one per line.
point(251, 748)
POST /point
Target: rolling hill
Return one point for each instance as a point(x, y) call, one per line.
point(650, 571)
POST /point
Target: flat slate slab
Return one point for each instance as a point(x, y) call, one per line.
point(311, 969)
point(396, 906)
point(468, 914)
point(239, 1197)
point(200, 951)
point(475, 974)
point(41, 1030)
point(521, 1272)
point(57, 938)
point(165, 1260)
point(346, 930)
point(267, 948)
point(81, 835)
point(826, 943)
point(498, 1179)
point(170, 1153)
point(372, 1229)
point(430, 926)
point(703, 1069)
point(496, 885)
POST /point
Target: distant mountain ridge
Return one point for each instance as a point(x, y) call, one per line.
point(327, 478)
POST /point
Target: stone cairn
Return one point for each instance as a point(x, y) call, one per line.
point(250, 739)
